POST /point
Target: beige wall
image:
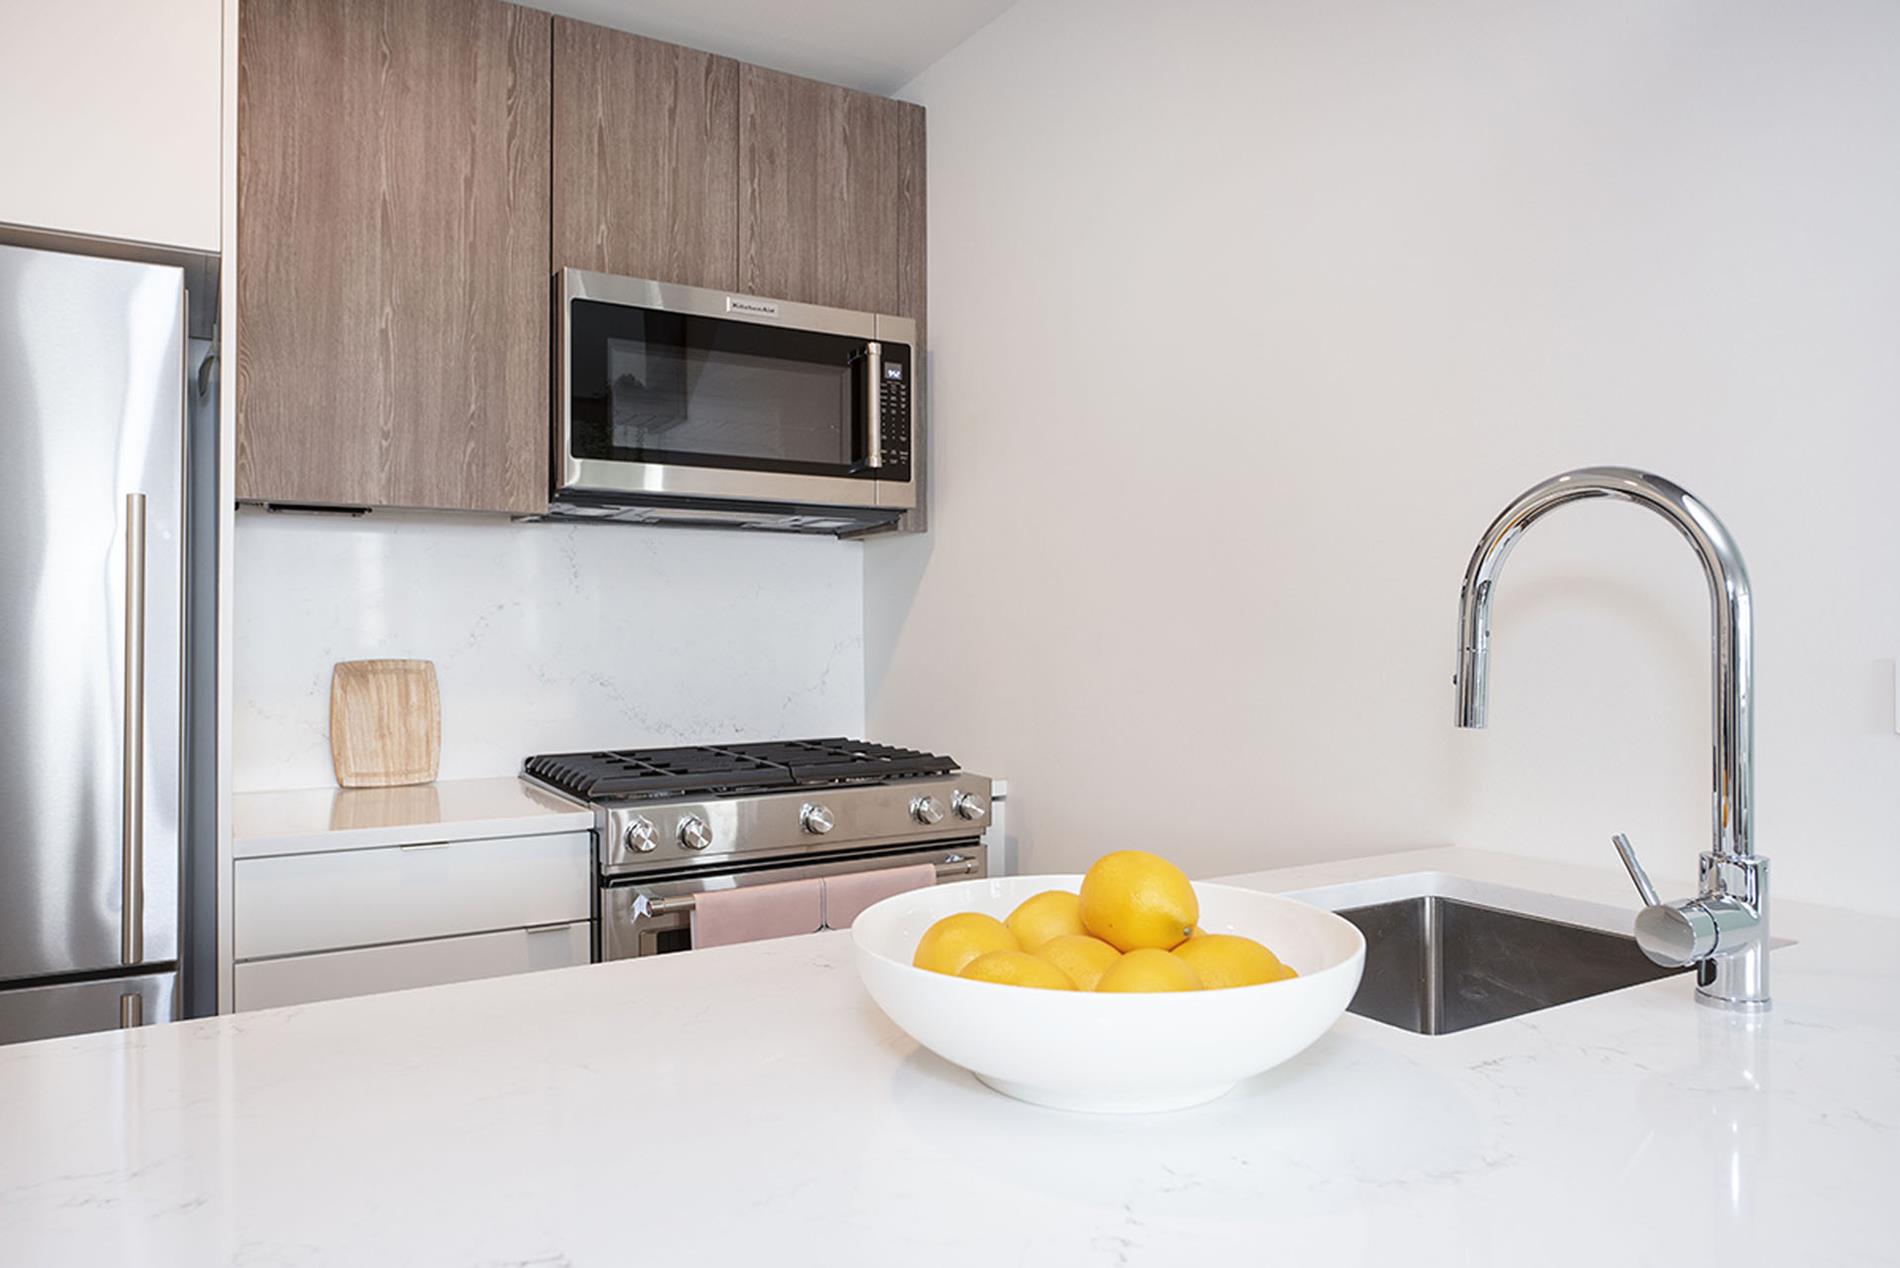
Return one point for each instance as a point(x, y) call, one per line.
point(1247, 317)
point(112, 116)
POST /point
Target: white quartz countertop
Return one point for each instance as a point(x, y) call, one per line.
point(308, 819)
point(749, 1105)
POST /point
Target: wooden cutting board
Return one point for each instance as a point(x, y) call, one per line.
point(385, 722)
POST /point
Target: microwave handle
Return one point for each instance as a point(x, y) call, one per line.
point(873, 361)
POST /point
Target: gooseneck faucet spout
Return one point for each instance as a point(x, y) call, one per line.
point(1723, 932)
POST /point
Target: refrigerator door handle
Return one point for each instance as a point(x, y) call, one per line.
point(132, 791)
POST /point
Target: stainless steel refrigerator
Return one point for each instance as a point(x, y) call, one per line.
point(92, 641)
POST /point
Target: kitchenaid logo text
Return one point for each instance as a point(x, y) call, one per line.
point(757, 307)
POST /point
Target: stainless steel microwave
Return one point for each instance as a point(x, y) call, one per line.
point(678, 404)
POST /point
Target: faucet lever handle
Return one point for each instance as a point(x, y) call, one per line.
point(1627, 853)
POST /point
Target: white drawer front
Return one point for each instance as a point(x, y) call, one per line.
point(354, 898)
point(303, 979)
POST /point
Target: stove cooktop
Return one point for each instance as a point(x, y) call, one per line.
point(730, 769)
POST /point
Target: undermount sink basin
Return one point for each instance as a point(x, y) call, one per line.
point(1436, 965)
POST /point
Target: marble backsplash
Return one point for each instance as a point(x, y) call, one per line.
point(546, 637)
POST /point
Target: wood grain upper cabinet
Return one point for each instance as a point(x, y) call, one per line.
point(393, 211)
point(831, 197)
point(646, 158)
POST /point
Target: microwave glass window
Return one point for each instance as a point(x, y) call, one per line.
point(651, 386)
point(730, 405)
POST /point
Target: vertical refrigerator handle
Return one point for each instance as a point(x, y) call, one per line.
point(132, 768)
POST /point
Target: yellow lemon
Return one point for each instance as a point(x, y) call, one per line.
point(1017, 968)
point(956, 940)
point(1149, 969)
point(1047, 915)
point(1226, 959)
point(1133, 899)
point(1083, 958)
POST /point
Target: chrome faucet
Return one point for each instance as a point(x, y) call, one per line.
point(1723, 932)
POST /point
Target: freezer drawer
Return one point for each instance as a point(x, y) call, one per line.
point(76, 1008)
point(354, 898)
point(303, 979)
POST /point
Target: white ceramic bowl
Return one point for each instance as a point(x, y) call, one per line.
point(1112, 1053)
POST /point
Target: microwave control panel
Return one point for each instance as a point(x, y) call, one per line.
point(894, 412)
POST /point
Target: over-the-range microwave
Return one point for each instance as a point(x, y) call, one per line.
point(678, 404)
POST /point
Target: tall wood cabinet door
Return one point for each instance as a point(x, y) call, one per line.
point(902, 140)
point(393, 204)
point(823, 202)
point(646, 158)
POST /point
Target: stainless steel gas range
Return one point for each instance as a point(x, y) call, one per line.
point(672, 823)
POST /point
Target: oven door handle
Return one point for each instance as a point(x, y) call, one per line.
point(645, 905)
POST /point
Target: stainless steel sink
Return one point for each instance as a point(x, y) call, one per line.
point(1437, 965)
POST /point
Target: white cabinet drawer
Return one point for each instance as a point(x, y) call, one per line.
point(354, 898)
point(302, 979)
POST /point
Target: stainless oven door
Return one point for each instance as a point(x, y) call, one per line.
point(653, 915)
point(679, 392)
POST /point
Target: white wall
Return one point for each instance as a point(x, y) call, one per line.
point(1247, 317)
point(112, 115)
point(546, 637)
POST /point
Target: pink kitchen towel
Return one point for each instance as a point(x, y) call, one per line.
point(847, 896)
point(754, 912)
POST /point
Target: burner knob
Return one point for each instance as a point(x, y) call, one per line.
point(968, 805)
point(925, 810)
point(641, 838)
point(815, 818)
point(695, 833)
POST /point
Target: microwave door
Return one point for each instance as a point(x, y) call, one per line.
point(683, 392)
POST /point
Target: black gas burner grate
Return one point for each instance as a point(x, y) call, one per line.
point(715, 769)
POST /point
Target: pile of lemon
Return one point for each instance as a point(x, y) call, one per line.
point(1132, 928)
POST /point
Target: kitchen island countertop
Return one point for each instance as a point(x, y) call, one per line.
point(749, 1105)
